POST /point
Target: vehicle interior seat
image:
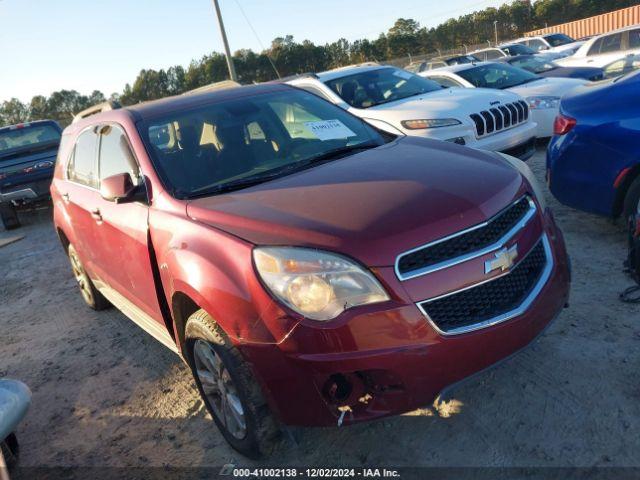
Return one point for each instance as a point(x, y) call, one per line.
point(348, 92)
point(235, 156)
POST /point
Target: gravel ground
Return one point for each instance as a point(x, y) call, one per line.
point(106, 394)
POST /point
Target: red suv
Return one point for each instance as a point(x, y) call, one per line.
point(310, 269)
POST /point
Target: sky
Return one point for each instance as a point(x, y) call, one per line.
point(81, 45)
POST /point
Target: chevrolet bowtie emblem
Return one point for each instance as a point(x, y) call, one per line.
point(504, 260)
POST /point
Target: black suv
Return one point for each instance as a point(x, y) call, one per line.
point(27, 158)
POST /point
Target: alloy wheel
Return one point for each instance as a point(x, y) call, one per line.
point(81, 277)
point(219, 388)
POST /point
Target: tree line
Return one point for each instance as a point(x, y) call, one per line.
point(286, 57)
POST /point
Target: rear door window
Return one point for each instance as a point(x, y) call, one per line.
point(595, 48)
point(611, 43)
point(82, 167)
point(115, 154)
point(537, 44)
point(634, 38)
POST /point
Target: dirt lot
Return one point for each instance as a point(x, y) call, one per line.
point(106, 394)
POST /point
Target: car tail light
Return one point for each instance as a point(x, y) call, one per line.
point(563, 125)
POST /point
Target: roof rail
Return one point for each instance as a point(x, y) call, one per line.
point(99, 108)
point(224, 84)
point(363, 64)
point(296, 75)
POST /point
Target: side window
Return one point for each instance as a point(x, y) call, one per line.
point(595, 48)
point(82, 166)
point(537, 44)
point(634, 39)
point(611, 43)
point(115, 154)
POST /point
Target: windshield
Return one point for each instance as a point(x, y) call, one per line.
point(517, 49)
point(235, 143)
point(494, 75)
point(382, 85)
point(533, 64)
point(557, 39)
point(26, 137)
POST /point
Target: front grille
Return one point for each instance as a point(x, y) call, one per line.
point(478, 306)
point(499, 118)
point(425, 259)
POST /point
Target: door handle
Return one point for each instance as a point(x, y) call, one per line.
point(97, 216)
point(65, 197)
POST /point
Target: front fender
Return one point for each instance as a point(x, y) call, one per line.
point(215, 270)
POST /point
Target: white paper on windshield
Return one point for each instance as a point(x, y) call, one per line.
point(402, 74)
point(329, 129)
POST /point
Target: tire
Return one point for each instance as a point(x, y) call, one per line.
point(90, 294)
point(9, 216)
point(208, 350)
point(631, 200)
point(10, 450)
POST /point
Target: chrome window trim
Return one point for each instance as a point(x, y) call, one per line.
point(522, 308)
point(469, 256)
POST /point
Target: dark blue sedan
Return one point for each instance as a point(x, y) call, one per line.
point(593, 160)
point(546, 68)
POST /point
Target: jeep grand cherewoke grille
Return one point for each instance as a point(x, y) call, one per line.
point(486, 303)
point(500, 118)
point(443, 252)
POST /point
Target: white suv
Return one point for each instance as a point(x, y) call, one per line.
point(398, 101)
point(602, 50)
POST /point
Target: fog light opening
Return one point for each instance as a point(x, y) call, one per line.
point(338, 388)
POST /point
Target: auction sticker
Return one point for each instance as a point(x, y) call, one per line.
point(329, 129)
point(402, 74)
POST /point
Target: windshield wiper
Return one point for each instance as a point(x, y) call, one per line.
point(283, 171)
point(339, 152)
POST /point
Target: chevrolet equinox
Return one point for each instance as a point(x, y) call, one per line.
point(310, 269)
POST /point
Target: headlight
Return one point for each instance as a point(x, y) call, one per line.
point(539, 103)
point(421, 124)
point(319, 285)
point(526, 172)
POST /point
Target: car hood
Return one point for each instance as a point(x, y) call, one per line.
point(548, 86)
point(574, 72)
point(446, 103)
point(372, 205)
point(568, 46)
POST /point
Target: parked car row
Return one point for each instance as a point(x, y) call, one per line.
point(599, 51)
point(397, 101)
point(542, 95)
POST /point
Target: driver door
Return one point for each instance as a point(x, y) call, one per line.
point(121, 249)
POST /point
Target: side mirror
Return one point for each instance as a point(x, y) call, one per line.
point(117, 188)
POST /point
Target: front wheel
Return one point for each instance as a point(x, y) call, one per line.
point(229, 390)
